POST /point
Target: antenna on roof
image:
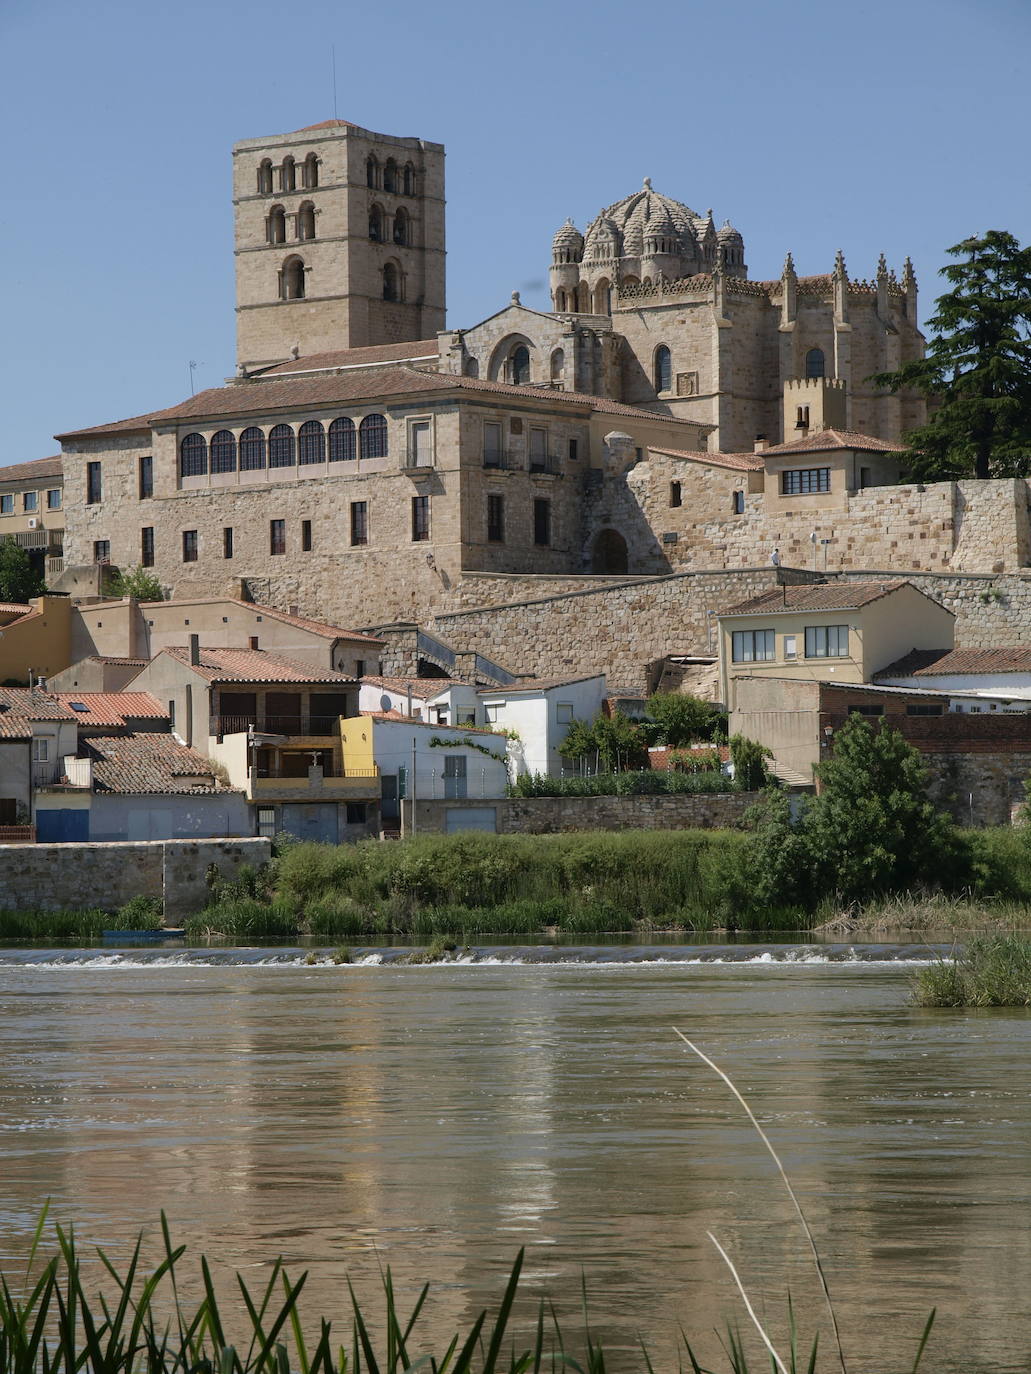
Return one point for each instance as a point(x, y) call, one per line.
point(191, 367)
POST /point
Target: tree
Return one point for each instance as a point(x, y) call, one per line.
point(613, 743)
point(749, 760)
point(681, 718)
point(18, 580)
point(139, 583)
point(978, 365)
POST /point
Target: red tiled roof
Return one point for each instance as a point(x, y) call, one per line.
point(376, 354)
point(19, 708)
point(29, 472)
point(1015, 658)
point(15, 607)
point(111, 708)
point(114, 658)
point(252, 665)
point(744, 462)
point(135, 422)
point(422, 687)
point(834, 596)
point(325, 124)
point(147, 764)
point(824, 440)
point(537, 684)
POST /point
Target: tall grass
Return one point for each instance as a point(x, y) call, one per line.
point(994, 971)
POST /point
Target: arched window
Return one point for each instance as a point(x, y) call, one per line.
point(288, 174)
point(602, 297)
point(223, 451)
point(292, 280)
point(558, 365)
point(376, 224)
point(341, 440)
point(372, 436)
point(371, 172)
point(252, 449)
point(401, 227)
point(277, 224)
point(311, 171)
point(815, 365)
point(391, 283)
point(663, 369)
point(409, 180)
point(520, 365)
point(306, 220)
point(265, 178)
point(281, 447)
point(560, 299)
point(583, 298)
point(472, 367)
point(390, 175)
point(193, 456)
point(311, 443)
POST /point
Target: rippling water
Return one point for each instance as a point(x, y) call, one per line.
point(436, 1118)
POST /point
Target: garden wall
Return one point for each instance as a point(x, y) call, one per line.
point(557, 815)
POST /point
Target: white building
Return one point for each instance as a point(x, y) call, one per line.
point(1002, 677)
point(540, 713)
point(437, 700)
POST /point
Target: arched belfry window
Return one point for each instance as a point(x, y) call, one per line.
point(520, 365)
point(311, 443)
point(408, 181)
point(401, 227)
point(391, 283)
point(265, 178)
point(288, 174)
point(252, 449)
point(311, 171)
point(292, 280)
point(193, 456)
point(277, 224)
point(223, 451)
point(306, 220)
point(376, 224)
point(281, 447)
point(663, 369)
point(372, 436)
point(341, 440)
point(390, 175)
point(815, 363)
point(371, 172)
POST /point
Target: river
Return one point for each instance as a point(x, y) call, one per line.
point(437, 1118)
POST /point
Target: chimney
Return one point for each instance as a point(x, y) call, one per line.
point(761, 443)
point(195, 650)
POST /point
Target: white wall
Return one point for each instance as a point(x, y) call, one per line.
point(486, 775)
point(534, 716)
point(1014, 686)
point(14, 770)
point(454, 697)
point(168, 817)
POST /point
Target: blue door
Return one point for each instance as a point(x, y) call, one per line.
point(62, 827)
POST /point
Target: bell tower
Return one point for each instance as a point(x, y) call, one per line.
point(338, 240)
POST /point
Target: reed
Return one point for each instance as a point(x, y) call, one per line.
point(993, 971)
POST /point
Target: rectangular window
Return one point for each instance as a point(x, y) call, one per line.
point(147, 546)
point(492, 711)
point(277, 536)
point(492, 445)
point(826, 641)
point(420, 444)
point(675, 494)
point(866, 709)
point(739, 503)
point(790, 646)
point(171, 712)
point(925, 708)
point(40, 750)
point(356, 813)
point(227, 541)
point(146, 477)
point(865, 478)
point(7, 504)
point(102, 550)
point(94, 484)
point(306, 536)
point(54, 499)
point(359, 523)
point(189, 546)
point(455, 780)
point(359, 667)
point(804, 481)
point(753, 646)
point(574, 450)
point(538, 450)
point(495, 519)
point(564, 712)
point(267, 822)
point(420, 518)
point(542, 522)
point(30, 500)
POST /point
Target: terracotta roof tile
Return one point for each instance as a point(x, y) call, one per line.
point(253, 665)
point(36, 468)
point(114, 658)
point(537, 684)
point(743, 462)
point(15, 607)
point(1014, 658)
point(425, 688)
point(19, 708)
point(148, 764)
point(326, 124)
point(111, 708)
point(372, 356)
point(834, 596)
point(825, 440)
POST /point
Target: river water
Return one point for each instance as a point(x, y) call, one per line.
point(437, 1118)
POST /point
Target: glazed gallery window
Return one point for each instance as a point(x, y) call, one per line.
point(753, 646)
point(804, 481)
point(826, 641)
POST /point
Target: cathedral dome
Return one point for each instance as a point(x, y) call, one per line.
point(729, 236)
point(602, 239)
point(631, 218)
point(569, 238)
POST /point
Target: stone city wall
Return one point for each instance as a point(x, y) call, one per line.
point(977, 788)
point(557, 815)
point(56, 877)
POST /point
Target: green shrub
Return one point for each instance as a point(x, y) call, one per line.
point(139, 913)
point(995, 971)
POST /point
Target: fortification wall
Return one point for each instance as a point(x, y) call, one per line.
point(558, 815)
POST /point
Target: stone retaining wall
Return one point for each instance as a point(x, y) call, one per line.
point(55, 877)
point(557, 815)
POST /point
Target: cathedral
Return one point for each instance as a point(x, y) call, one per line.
point(668, 412)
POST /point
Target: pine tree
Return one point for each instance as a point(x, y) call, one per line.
point(978, 365)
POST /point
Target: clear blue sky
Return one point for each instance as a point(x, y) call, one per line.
point(881, 125)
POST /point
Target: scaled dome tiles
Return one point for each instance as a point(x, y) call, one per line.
point(631, 218)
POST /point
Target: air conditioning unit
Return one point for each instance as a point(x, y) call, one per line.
point(33, 523)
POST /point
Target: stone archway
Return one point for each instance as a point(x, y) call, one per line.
point(610, 553)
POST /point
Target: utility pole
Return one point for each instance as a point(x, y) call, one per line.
point(415, 825)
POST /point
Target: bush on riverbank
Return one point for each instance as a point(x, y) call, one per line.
point(141, 913)
point(994, 971)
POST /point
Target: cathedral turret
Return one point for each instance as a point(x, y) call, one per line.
point(909, 287)
point(788, 292)
point(567, 249)
point(660, 246)
point(733, 246)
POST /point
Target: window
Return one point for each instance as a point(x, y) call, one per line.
point(865, 709)
point(455, 780)
point(193, 456)
point(492, 711)
point(564, 712)
point(223, 451)
point(311, 172)
point(30, 500)
point(359, 523)
point(408, 183)
point(420, 444)
point(306, 221)
point(288, 174)
point(227, 541)
point(281, 447)
point(277, 536)
point(420, 518)
point(371, 172)
point(265, 178)
point(102, 550)
point(753, 646)
point(341, 441)
point(804, 481)
point(40, 750)
point(401, 228)
point(359, 667)
point(391, 283)
point(95, 484)
point(145, 477)
point(801, 417)
point(663, 369)
point(189, 546)
point(520, 365)
point(865, 478)
point(54, 499)
point(147, 546)
point(675, 498)
point(538, 450)
point(495, 519)
point(815, 364)
point(542, 522)
point(738, 506)
point(7, 504)
point(791, 647)
point(558, 364)
point(267, 822)
point(491, 445)
point(376, 224)
point(306, 536)
point(291, 280)
point(277, 225)
point(574, 450)
point(252, 449)
point(372, 436)
point(925, 708)
point(311, 443)
point(390, 175)
point(356, 813)
point(826, 641)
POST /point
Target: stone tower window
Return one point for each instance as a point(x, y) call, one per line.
point(391, 283)
point(252, 450)
point(401, 235)
point(310, 172)
point(558, 364)
point(408, 180)
point(603, 297)
point(472, 367)
point(390, 175)
point(520, 365)
point(277, 224)
point(281, 447)
point(341, 440)
point(371, 172)
point(291, 280)
point(376, 224)
point(663, 369)
point(288, 174)
point(193, 456)
point(815, 364)
point(265, 178)
point(675, 494)
point(560, 299)
point(223, 451)
point(311, 443)
point(372, 436)
point(306, 220)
